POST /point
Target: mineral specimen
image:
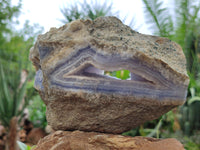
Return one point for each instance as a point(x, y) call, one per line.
point(70, 63)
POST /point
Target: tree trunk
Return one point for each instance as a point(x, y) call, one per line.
point(11, 141)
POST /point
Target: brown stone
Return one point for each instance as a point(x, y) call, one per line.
point(35, 135)
point(71, 61)
point(22, 135)
point(79, 140)
point(2, 137)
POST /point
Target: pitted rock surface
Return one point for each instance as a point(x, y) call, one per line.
point(71, 61)
point(78, 140)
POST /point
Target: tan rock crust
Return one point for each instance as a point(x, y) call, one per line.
point(78, 140)
point(70, 62)
point(110, 36)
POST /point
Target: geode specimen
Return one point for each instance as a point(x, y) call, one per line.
point(70, 63)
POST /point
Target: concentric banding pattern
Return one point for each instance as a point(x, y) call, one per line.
point(69, 75)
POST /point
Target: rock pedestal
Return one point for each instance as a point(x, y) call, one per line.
point(71, 62)
point(78, 140)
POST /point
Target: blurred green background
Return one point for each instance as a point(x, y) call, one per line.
point(180, 23)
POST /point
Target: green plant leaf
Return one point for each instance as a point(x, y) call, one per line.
point(123, 74)
point(85, 10)
point(158, 17)
point(20, 96)
point(192, 91)
point(156, 130)
point(22, 146)
point(193, 99)
point(5, 91)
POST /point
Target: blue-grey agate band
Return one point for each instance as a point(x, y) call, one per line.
point(158, 86)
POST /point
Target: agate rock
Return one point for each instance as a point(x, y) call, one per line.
point(70, 63)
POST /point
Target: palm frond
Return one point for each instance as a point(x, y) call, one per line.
point(71, 13)
point(85, 10)
point(158, 17)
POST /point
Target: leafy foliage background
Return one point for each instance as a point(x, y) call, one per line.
point(180, 23)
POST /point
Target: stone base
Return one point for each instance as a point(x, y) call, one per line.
point(79, 140)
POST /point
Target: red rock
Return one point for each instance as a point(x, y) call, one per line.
point(35, 135)
point(2, 130)
point(22, 135)
point(78, 140)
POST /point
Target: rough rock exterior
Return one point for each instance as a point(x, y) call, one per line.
point(78, 140)
point(71, 61)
